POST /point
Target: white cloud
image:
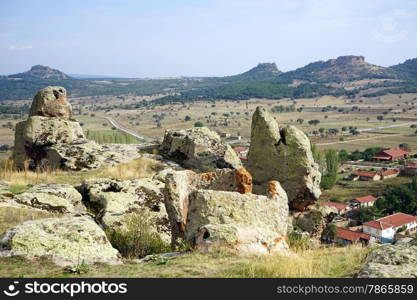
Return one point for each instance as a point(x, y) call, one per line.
point(20, 47)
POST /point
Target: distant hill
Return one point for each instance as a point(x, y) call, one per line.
point(407, 69)
point(343, 68)
point(261, 71)
point(41, 72)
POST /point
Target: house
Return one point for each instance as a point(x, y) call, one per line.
point(348, 237)
point(385, 174)
point(410, 168)
point(364, 175)
point(365, 201)
point(242, 152)
point(391, 155)
point(384, 229)
point(340, 207)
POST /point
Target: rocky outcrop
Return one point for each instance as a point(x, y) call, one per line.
point(200, 149)
point(114, 201)
point(180, 184)
point(51, 102)
point(62, 198)
point(67, 241)
point(398, 260)
point(283, 154)
point(315, 221)
point(50, 138)
point(242, 223)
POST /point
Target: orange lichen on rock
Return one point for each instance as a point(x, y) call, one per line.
point(272, 188)
point(243, 181)
point(207, 176)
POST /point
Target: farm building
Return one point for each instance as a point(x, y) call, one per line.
point(391, 155)
point(386, 174)
point(364, 175)
point(348, 237)
point(410, 168)
point(384, 229)
point(365, 201)
point(242, 152)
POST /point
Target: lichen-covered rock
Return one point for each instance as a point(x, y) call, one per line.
point(180, 184)
point(386, 261)
point(315, 221)
point(62, 198)
point(116, 200)
point(245, 223)
point(199, 148)
point(283, 154)
point(67, 241)
point(51, 102)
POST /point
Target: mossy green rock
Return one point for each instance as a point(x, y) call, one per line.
point(283, 154)
point(199, 148)
point(398, 260)
point(62, 198)
point(67, 241)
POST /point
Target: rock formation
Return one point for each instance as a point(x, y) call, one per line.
point(199, 148)
point(245, 223)
point(50, 138)
point(67, 241)
point(387, 260)
point(283, 154)
point(114, 201)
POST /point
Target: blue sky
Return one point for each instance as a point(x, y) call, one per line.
point(206, 37)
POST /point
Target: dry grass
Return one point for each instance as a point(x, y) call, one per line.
point(139, 168)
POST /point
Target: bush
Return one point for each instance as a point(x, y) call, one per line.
point(297, 241)
point(328, 181)
point(138, 239)
point(198, 124)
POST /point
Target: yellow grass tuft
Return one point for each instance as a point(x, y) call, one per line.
point(139, 168)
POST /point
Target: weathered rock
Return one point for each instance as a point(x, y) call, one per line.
point(62, 198)
point(51, 102)
point(199, 148)
point(245, 223)
point(180, 184)
point(116, 200)
point(67, 241)
point(386, 261)
point(315, 221)
point(283, 154)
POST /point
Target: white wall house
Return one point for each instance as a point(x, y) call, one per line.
point(384, 229)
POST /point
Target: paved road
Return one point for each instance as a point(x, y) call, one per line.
point(387, 126)
point(117, 125)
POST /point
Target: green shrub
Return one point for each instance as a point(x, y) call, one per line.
point(328, 181)
point(138, 239)
point(297, 241)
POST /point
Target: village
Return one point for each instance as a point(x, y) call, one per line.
point(349, 229)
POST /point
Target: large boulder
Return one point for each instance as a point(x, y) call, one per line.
point(62, 198)
point(387, 261)
point(283, 154)
point(51, 102)
point(180, 184)
point(67, 241)
point(115, 201)
point(244, 223)
point(200, 149)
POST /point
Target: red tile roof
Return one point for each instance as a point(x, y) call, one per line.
point(241, 149)
point(364, 173)
point(350, 235)
point(395, 153)
point(366, 199)
point(338, 206)
point(389, 172)
point(411, 164)
point(395, 220)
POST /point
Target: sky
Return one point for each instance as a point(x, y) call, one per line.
point(166, 38)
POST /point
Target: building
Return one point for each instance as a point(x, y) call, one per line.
point(384, 229)
point(365, 201)
point(347, 237)
point(242, 152)
point(410, 168)
point(391, 155)
point(340, 207)
point(386, 174)
point(364, 175)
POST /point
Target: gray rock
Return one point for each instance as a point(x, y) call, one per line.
point(283, 154)
point(51, 102)
point(398, 260)
point(199, 148)
point(68, 241)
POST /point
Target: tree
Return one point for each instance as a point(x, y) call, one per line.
point(380, 118)
point(198, 124)
point(187, 118)
point(314, 122)
point(343, 155)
